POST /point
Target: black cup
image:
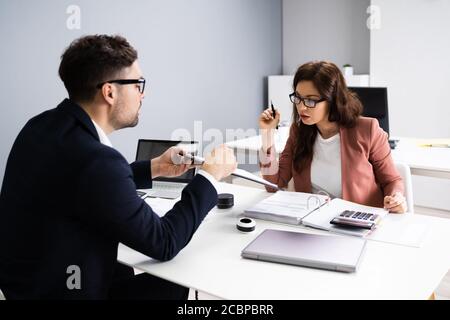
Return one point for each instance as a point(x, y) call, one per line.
point(225, 200)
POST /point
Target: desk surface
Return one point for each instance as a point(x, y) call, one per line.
point(211, 262)
point(422, 160)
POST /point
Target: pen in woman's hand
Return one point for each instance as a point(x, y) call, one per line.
point(273, 111)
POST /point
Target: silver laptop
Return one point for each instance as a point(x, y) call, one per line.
point(335, 253)
point(163, 187)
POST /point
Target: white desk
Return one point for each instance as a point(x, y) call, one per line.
point(423, 161)
point(211, 263)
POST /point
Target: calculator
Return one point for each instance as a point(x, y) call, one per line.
point(356, 219)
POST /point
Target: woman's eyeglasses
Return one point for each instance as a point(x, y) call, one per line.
point(310, 103)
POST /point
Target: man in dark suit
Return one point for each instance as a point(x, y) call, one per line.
point(68, 198)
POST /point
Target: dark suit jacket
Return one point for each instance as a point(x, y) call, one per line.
point(69, 200)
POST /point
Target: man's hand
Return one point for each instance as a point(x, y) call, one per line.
point(169, 164)
point(395, 203)
point(220, 163)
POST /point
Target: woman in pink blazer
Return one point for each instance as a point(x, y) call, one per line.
point(331, 147)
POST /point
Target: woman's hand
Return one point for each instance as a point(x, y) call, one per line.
point(395, 203)
point(267, 121)
point(267, 125)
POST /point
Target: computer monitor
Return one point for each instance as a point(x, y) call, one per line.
point(148, 149)
point(375, 104)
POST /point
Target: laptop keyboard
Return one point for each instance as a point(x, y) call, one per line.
point(170, 190)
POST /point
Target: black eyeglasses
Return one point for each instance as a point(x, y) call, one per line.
point(140, 82)
point(309, 103)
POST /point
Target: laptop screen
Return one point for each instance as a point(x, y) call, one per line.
point(149, 149)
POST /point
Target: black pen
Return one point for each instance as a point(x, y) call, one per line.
point(273, 111)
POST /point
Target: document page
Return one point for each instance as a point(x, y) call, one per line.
point(289, 204)
point(250, 176)
point(402, 229)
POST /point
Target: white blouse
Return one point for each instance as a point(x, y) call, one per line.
point(326, 166)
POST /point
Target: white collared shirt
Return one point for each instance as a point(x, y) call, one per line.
point(102, 135)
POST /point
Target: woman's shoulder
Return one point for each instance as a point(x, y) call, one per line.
point(367, 126)
point(365, 129)
point(365, 123)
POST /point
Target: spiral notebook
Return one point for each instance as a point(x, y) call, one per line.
point(312, 210)
point(286, 206)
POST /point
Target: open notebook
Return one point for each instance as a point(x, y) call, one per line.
point(287, 207)
point(310, 210)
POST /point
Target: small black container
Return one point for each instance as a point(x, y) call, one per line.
point(225, 200)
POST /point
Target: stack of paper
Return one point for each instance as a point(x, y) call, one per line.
point(286, 207)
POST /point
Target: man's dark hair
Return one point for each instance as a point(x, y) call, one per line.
point(91, 60)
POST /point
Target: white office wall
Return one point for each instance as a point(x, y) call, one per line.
point(204, 60)
point(334, 30)
point(410, 54)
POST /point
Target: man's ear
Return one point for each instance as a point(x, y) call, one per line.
point(109, 93)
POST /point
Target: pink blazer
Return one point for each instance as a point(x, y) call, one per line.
point(368, 171)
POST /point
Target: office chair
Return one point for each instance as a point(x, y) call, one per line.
point(405, 173)
point(375, 105)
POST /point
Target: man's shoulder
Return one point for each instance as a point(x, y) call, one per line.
point(61, 134)
point(86, 151)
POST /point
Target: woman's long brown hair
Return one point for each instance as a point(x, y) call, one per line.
point(345, 107)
